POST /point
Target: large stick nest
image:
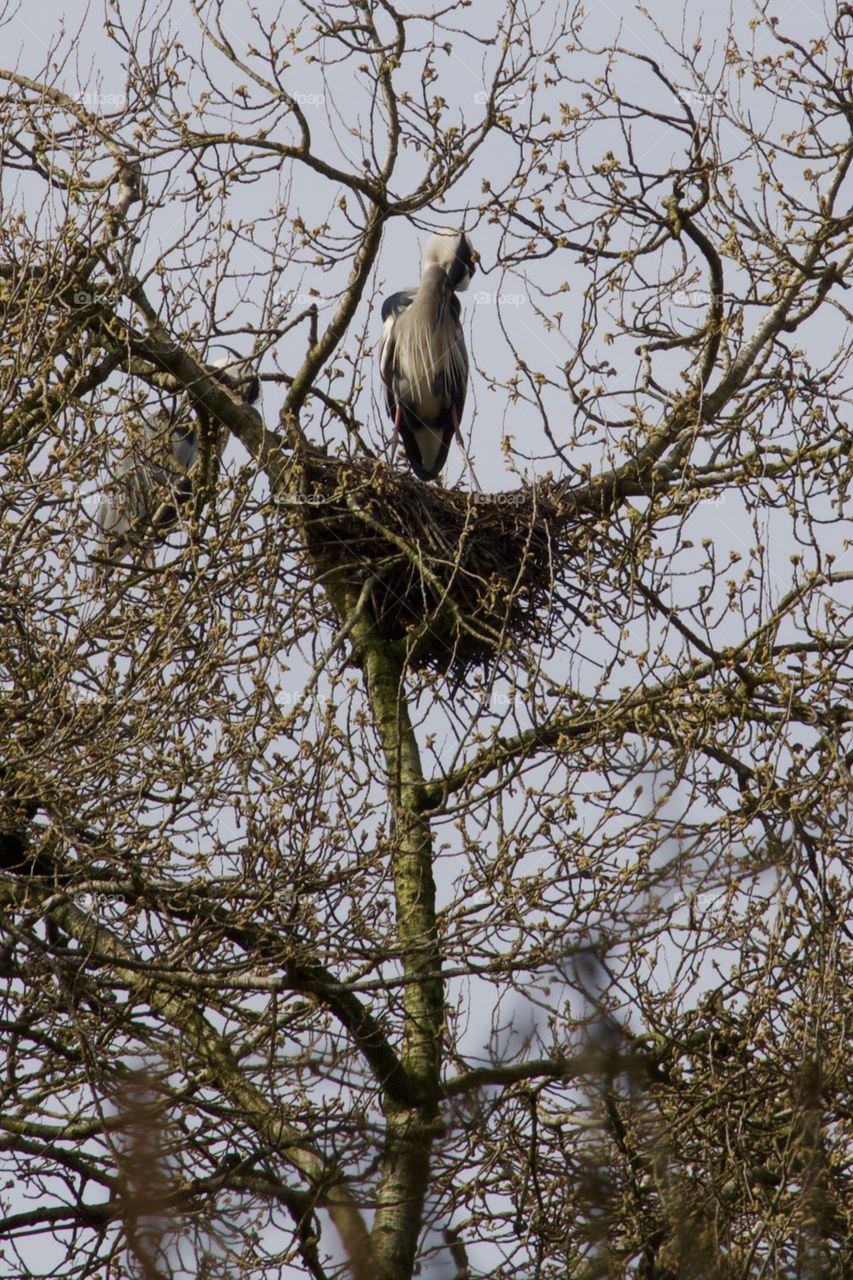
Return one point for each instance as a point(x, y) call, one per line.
point(459, 577)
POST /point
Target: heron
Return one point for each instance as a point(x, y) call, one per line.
point(151, 479)
point(423, 362)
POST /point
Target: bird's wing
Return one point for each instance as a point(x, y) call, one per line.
point(459, 359)
point(143, 477)
point(426, 446)
point(111, 521)
point(397, 302)
point(184, 445)
point(392, 309)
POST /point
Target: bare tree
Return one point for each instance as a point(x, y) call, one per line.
point(399, 879)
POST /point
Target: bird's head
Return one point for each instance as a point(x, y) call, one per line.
point(451, 251)
point(239, 370)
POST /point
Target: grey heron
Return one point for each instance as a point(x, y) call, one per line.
point(151, 478)
point(423, 361)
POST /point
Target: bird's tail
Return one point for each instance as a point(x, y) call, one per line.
point(426, 443)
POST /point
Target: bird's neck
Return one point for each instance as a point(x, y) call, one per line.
point(433, 293)
point(434, 277)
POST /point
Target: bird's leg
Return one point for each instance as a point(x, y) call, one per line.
point(395, 442)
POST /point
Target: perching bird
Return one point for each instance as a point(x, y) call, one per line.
point(151, 480)
point(423, 361)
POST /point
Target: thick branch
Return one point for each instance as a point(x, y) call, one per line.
point(410, 1130)
point(539, 1068)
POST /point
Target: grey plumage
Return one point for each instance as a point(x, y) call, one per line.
point(147, 486)
point(423, 361)
point(151, 478)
